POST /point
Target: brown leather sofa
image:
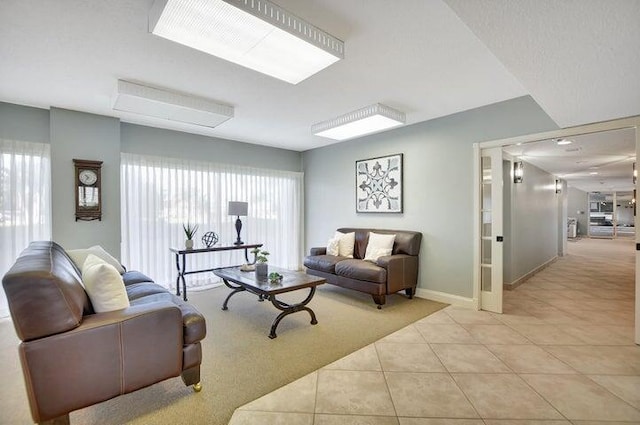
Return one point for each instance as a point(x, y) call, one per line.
point(388, 275)
point(72, 357)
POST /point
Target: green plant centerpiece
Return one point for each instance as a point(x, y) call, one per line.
point(189, 232)
point(275, 277)
point(261, 256)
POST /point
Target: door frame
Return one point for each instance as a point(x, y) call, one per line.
point(631, 122)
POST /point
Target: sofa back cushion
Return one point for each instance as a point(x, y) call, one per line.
point(44, 292)
point(406, 242)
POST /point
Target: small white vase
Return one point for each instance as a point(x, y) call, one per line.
point(188, 244)
point(262, 270)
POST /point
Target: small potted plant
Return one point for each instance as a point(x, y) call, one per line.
point(275, 277)
point(261, 262)
point(189, 232)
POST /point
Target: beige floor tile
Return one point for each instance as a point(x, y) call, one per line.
point(546, 335)
point(446, 333)
point(467, 316)
point(519, 317)
point(577, 397)
point(364, 359)
point(529, 359)
point(598, 335)
point(245, 417)
point(596, 360)
point(353, 392)
point(298, 396)
point(433, 421)
point(437, 317)
point(322, 419)
point(504, 396)
point(408, 358)
point(523, 422)
point(408, 334)
point(625, 387)
point(495, 334)
point(433, 395)
point(469, 358)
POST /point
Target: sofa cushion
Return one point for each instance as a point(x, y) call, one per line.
point(79, 256)
point(378, 246)
point(346, 243)
point(104, 285)
point(323, 263)
point(361, 270)
point(142, 289)
point(133, 276)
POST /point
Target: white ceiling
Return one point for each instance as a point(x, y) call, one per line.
point(598, 162)
point(577, 58)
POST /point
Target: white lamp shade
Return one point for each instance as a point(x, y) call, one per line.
point(255, 34)
point(238, 208)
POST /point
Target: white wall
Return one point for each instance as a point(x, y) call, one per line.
point(578, 200)
point(438, 185)
point(533, 233)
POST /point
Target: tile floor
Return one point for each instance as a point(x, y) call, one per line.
point(562, 353)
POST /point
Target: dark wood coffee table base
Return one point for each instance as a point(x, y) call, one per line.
point(280, 305)
point(239, 281)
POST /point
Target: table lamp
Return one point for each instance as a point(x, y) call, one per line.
point(238, 209)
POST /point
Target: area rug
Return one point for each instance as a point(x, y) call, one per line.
point(240, 363)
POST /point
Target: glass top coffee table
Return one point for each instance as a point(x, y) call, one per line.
point(240, 281)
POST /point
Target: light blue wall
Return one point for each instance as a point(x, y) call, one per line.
point(438, 185)
point(173, 144)
point(24, 123)
point(85, 136)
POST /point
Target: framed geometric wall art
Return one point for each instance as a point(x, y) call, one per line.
point(379, 184)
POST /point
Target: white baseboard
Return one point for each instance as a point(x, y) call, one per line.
point(443, 297)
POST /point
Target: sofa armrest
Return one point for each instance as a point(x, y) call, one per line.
point(109, 354)
point(318, 251)
point(402, 271)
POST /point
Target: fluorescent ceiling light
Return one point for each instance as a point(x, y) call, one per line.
point(256, 34)
point(169, 105)
point(368, 120)
point(563, 142)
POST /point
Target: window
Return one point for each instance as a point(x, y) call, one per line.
point(25, 201)
point(160, 194)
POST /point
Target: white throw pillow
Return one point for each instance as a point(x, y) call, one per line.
point(333, 246)
point(79, 256)
point(104, 285)
point(347, 242)
point(379, 246)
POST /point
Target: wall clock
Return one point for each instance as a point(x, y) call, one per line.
point(88, 189)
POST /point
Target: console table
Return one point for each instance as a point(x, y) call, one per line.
point(181, 261)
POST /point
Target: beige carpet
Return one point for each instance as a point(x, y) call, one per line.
point(240, 362)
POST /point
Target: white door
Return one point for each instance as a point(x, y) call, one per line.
point(491, 236)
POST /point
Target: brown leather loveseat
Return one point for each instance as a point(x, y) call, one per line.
point(388, 275)
point(72, 357)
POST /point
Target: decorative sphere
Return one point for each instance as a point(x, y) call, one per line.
point(210, 239)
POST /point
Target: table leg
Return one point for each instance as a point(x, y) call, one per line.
point(246, 256)
point(178, 276)
point(184, 283)
point(289, 309)
point(236, 289)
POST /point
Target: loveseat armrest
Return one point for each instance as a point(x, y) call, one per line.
point(322, 250)
point(402, 271)
point(109, 354)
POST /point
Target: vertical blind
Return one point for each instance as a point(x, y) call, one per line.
point(159, 195)
point(25, 201)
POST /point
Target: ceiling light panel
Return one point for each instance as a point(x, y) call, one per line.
point(256, 34)
point(368, 120)
point(170, 105)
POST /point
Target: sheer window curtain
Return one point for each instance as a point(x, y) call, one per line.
point(25, 201)
point(160, 194)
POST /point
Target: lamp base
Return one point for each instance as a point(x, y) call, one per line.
point(238, 229)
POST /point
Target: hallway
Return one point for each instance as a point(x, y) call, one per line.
point(562, 353)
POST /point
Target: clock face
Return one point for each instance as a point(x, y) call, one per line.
point(88, 177)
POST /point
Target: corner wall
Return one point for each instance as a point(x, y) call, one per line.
point(438, 185)
point(577, 207)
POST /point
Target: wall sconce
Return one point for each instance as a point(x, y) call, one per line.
point(635, 173)
point(558, 186)
point(518, 171)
